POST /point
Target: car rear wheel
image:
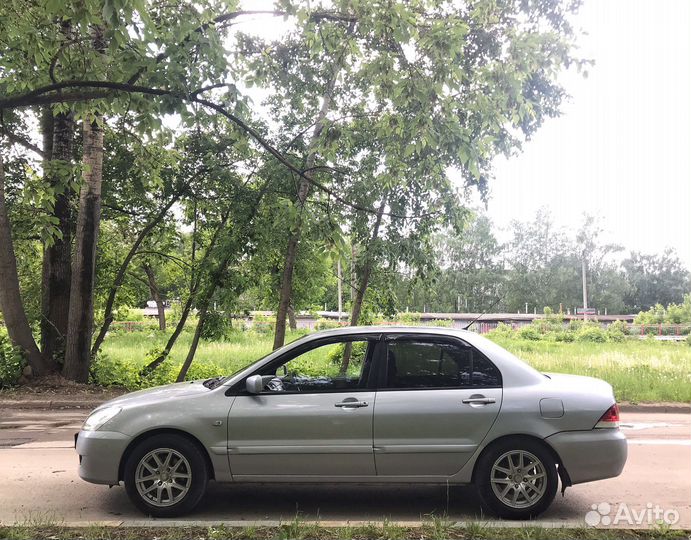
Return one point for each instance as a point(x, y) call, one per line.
point(517, 479)
point(166, 475)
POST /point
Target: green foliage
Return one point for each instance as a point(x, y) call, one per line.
point(617, 331)
point(263, 324)
point(126, 313)
point(530, 333)
point(357, 355)
point(551, 328)
point(106, 371)
point(216, 326)
point(326, 324)
point(442, 323)
point(11, 361)
point(591, 333)
point(502, 331)
point(672, 314)
point(408, 318)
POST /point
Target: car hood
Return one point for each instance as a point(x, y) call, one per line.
point(168, 392)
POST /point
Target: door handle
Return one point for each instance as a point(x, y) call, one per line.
point(351, 404)
point(479, 400)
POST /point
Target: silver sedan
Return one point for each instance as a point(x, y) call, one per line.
point(367, 405)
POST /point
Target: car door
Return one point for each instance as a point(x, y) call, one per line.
point(313, 418)
point(437, 400)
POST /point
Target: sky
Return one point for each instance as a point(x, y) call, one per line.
point(621, 150)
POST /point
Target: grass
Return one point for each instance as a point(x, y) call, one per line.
point(639, 370)
point(297, 530)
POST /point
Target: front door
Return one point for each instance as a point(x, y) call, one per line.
point(439, 398)
point(313, 418)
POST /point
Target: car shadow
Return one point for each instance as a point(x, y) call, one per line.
point(341, 502)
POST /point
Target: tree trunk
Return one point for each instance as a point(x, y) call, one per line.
point(122, 271)
point(194, 289)
point(156, 295)
point(286, 290)
point(11, 303)
point(362, 286)
point(195, 343)
point(57, 257)
point(81, 312)
point(292, 321)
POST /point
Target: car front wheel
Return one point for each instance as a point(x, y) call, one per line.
point(166, 475)
point(517, 479)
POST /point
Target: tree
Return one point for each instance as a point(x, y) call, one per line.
point(541, 267)
point(470, 275)
point(10, 297)
point(654, 279)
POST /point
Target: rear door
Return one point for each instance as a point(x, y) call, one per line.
point(437, 399)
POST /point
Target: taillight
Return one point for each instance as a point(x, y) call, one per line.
point(610, 419)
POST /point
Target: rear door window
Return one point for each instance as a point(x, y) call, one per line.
point(428, 363)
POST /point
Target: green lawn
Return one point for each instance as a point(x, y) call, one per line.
point(639, 370)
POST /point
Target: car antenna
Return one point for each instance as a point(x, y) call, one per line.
point(471, 323)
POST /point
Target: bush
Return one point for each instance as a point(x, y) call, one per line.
point(618, 326)
point(564, 336)
point(11, 361)
point(443, 323)
point(263, 324)
point(502, 330)
point(408, 318)
point(326, 324)
point(591, 333)
point(530, 333)
point(126, 313)
point(127, 374)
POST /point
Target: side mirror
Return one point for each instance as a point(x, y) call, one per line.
point(254, 384)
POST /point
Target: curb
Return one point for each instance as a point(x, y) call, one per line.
point(327, 524)
point(43, 404)
point(668, 408)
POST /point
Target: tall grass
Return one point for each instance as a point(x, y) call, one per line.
point(639, 370)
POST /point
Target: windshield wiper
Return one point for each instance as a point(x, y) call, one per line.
point(213, 383)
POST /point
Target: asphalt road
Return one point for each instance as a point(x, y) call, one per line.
point(39, 483)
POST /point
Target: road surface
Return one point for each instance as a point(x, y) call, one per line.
point(39, 483)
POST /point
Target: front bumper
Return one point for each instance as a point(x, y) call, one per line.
point(591, 455)
point(100, 453)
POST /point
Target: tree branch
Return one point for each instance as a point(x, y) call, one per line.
point(26, 143)
point(45, 94)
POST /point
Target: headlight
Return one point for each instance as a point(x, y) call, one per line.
point(100, 417)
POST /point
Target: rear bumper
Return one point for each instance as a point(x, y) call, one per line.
point(100, 453)
point(591, 455)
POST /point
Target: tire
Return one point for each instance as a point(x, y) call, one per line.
point(504, 492)
point(175, 491)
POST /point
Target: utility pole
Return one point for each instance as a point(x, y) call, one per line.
point(585, 288)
